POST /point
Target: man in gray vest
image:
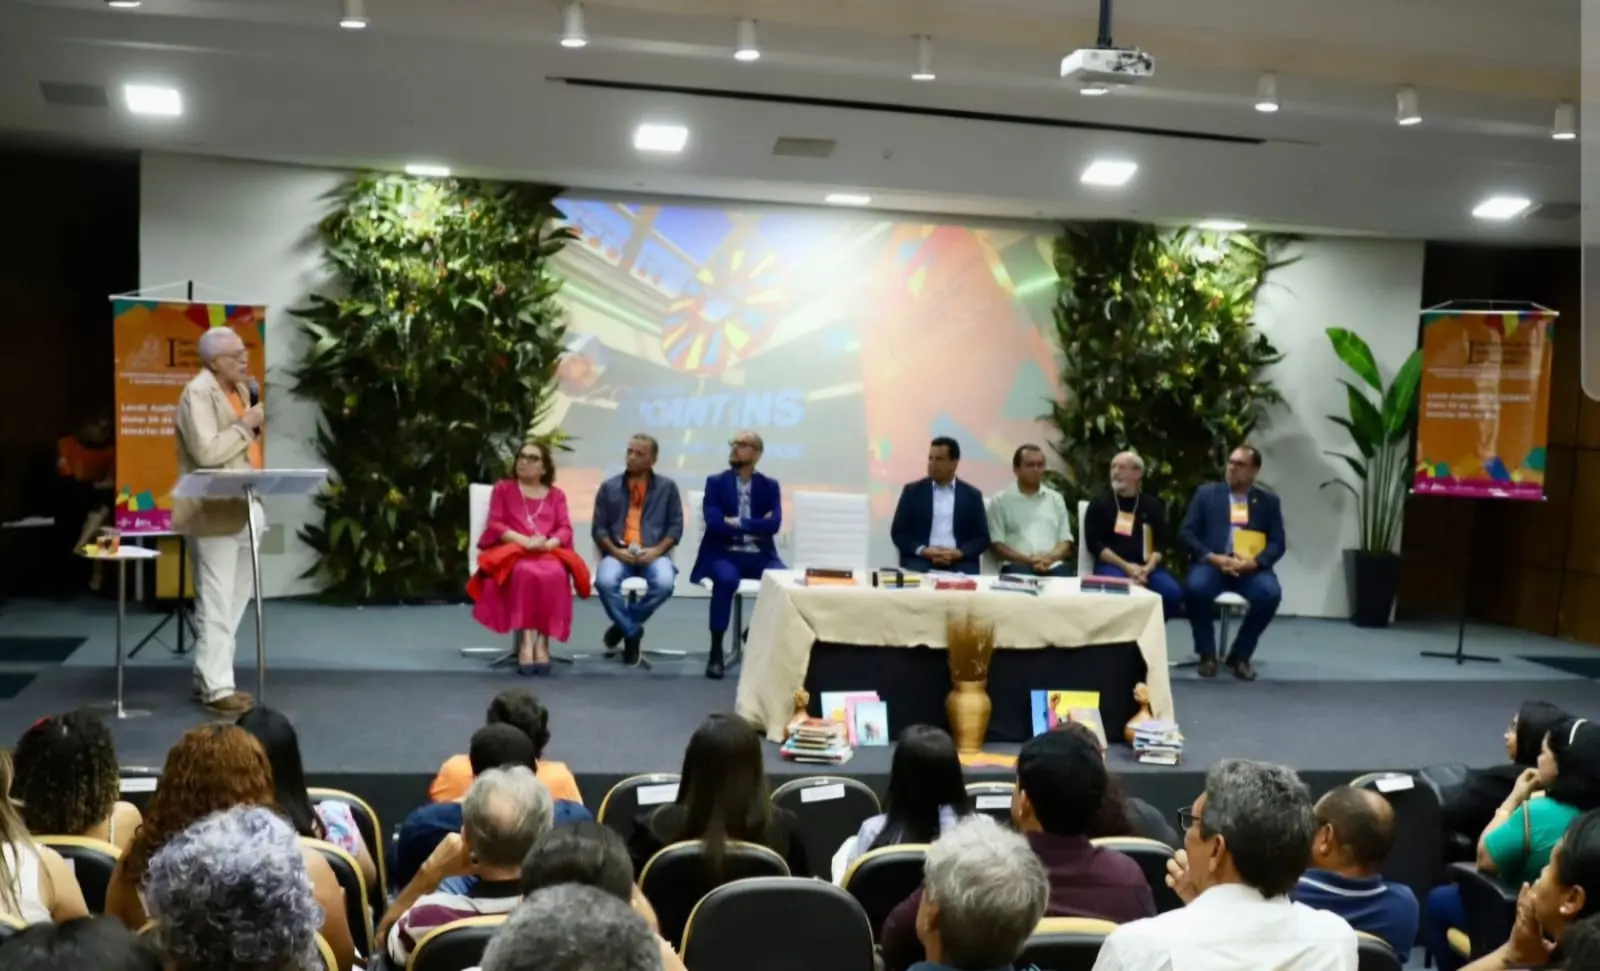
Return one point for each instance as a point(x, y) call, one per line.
point(638, 519)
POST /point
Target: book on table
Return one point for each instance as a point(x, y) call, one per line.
point(819, 740)
point(869, 724)
point(1052, 708)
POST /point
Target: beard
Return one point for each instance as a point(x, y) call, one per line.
point(1122, 488)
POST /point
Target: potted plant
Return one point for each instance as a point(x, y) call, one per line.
point(1379, 424)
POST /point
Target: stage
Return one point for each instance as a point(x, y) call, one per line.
point(381, 696)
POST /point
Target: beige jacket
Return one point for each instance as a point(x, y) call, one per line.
point(209, 437)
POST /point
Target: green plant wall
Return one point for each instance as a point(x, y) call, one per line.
point(434, 364)
point(1159, 354)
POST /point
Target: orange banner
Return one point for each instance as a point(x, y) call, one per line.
point(1484, 407)
point(156, 356)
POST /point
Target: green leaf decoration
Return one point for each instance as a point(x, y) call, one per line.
point(1356, 355)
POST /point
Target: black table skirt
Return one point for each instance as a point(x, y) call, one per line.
point(915, 680)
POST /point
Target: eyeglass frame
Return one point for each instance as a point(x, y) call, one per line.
point(1187, 818)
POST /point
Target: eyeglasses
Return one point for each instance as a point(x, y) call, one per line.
point(1187, 817)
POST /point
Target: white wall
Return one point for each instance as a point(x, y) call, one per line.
point(250, 229)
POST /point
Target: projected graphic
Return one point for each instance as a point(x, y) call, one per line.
point(846, 342)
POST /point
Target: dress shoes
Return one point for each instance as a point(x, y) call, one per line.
point(1242, 670)
point(1207, 667)
point(714, 669)
point(631, 648)
point(234, 704)
point(612, 637)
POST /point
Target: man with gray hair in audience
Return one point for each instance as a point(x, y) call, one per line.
point(1246, 841)
point(504, 814)
point(570, 927)
point(984, 891)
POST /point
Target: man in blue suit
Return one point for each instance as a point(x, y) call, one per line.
point(940, 523)
point(1218, 511)
point(742, 512)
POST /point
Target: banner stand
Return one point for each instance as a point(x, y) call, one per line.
point(1448, 359)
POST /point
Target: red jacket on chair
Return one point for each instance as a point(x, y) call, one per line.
point(497, 562)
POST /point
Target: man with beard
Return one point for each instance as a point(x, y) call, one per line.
point(1124, 530)
point(742, 512)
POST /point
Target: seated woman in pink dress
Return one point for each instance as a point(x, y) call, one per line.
point(536, 598)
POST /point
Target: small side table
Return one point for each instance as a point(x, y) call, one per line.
point(121, 557)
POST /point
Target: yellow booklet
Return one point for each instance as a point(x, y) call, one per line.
point(1249, 542)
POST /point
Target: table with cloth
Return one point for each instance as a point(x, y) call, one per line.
point(861, 638)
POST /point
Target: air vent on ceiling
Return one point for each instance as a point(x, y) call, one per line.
point(65, 95)
point(804, 147)
point(1555, 211)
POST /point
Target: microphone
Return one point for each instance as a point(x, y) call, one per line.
point(255, 392)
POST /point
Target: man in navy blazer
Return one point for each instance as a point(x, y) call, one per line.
point(742, 512)
point(940, 523)
point(1216, 513)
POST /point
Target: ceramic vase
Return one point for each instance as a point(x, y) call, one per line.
point(968, 708)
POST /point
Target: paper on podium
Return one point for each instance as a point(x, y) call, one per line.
point(233, 484)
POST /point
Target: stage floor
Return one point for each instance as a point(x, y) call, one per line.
point(382, 695)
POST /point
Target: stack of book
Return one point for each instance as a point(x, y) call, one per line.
point(1094, 584)
point(824, 577)
point(1158, 742)
point(894, 578)
point(954, 581)
point(1019, 583)
point(817, 740)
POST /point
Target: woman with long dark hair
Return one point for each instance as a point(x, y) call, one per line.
point(721, 797)
point(1469, 811)
point(927, 793)
point(331, 822)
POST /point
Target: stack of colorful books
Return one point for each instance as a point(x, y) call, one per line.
point(894, 578)
point(1094, 584)
point(818, 740)
point(954, 581)
point(823, 577)
point(1158, 742)
point(1019, 583)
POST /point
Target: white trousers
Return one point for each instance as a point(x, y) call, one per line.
point(223, 586)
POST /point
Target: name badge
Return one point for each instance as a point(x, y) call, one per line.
point(1124, 526)
point(1238, 513)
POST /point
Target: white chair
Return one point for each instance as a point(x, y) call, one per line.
point(477, 521)
point(695, 526)
point(1085, 564)
point(831, 530)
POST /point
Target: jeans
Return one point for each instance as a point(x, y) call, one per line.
point(1259, 589)
point(725, 571)
point(1160, 582)
point(1063, 569)
point(630, 618)
point(1443, 911)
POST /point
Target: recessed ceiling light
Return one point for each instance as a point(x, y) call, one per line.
point(924, 71)
point(428, 170)
point(1113, 173)
point(1406, 111)
point(123, 4)
point(1223, 225)
point(1565, 126)
point(149, 99)
point(573, 33)
point(1093, 90)
point(660, 138)
point(847, 199)
point(355, 15)
point(1267, 93)
point(1501, 207)
point(745, 47)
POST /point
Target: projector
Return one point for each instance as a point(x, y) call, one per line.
point(1106, 66)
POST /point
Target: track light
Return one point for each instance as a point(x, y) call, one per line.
point(572, 32)
point(924, 71)
point(355, 15)
point(1565, 127)
point(745, 47)
point(123, 4)
point(1405, 107)
point(1267, 93)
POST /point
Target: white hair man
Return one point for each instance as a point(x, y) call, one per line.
point(1124, 530)
point(571, 927)
point(984, 891)
point(219, 426)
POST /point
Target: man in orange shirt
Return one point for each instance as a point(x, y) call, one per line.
point(638, 519)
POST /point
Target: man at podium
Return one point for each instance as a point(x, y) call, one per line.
point(219, 426)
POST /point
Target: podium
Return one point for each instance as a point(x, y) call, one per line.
point(251, 485)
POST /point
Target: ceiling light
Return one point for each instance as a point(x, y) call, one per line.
point(1565, 127)
point(355, 15)
point(1108, 172)
point(924, 71)
point(428, 170)
point(1501, 207)
point(1267, 93)
point(1223, 225)
point(745, 48)
point(1093, 90)
point(660, 138)
point(123, 4)
point(148, 99)
point(847, 199)
point(572, 32)
point(1405, 107)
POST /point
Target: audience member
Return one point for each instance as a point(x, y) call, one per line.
point(722, 796)
point(1355, 831)
point(214, 768)
point(1061, 782)
point(1517, 843)
point(594, 856)
point(1567, 890)
point(1468, 813)
point(36, 884)
point(573, 928)
point(983, 894)
point(67, 780)
point(493, 746)
point(1121, 814)
point(504, 814)
point(85, 944)
point(1580, 945)
point(1246, 842)
point(927, 793)
point(231, 893)
point(331, 822)
point(519, 708)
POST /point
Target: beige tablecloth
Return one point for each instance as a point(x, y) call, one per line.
point(790, 617)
